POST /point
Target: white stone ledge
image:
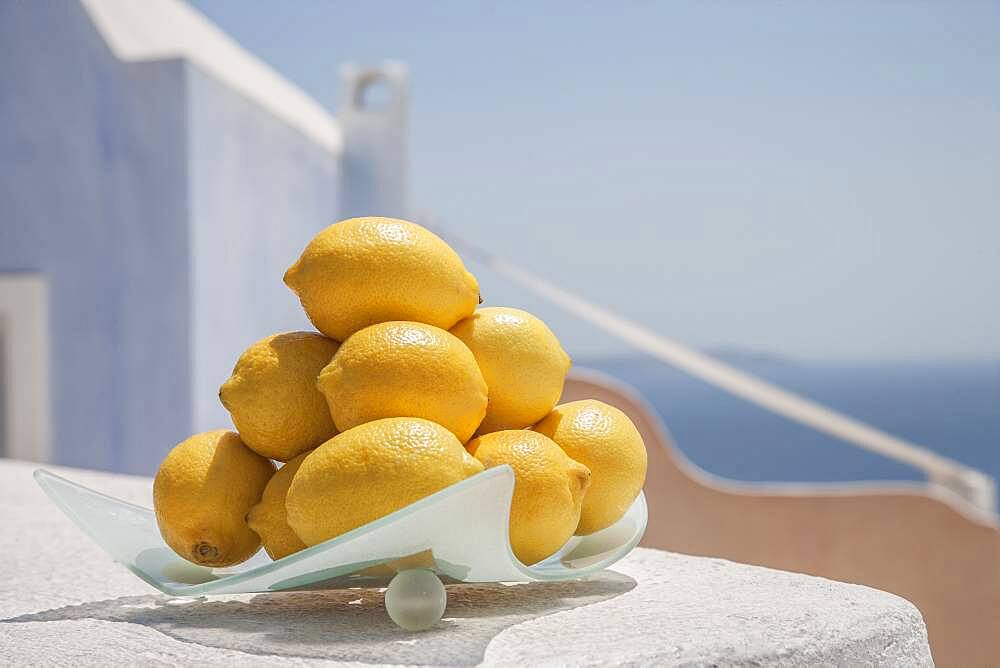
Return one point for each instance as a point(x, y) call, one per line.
point(63, 601)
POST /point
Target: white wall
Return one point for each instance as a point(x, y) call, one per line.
point(24, 367)
point(259, 191)
point(92, 196)
point(162, 207)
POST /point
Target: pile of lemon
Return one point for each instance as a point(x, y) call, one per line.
point(409, 388)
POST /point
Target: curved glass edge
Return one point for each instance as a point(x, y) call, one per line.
point(503, 471)
point(42, 478)
point(557, 567)
point(49, 483)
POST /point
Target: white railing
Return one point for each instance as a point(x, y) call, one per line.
point(970, 484)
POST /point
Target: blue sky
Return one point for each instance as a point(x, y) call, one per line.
point(820, 180)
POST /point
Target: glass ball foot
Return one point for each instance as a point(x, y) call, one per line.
point(416, 599)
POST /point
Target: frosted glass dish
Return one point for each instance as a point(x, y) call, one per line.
point(460, 532)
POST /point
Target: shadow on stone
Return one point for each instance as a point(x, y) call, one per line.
point(347, 625)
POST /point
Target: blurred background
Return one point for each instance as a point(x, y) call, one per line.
point(805, 191)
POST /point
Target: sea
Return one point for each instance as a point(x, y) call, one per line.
point(952, 408)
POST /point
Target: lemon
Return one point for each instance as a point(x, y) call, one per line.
point(268, 518)
point(405, 369)
point(363, 271)
point(603, 439)
point(370, 471)
point(272, 395)
point(201, 494)
point(522, 362)
point(549, 489)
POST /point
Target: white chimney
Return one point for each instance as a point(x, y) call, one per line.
point(373, 116)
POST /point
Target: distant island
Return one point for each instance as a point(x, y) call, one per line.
point(736, 355)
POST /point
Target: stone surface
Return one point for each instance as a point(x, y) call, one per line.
point(63, 601)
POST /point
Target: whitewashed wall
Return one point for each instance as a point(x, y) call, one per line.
point(162, 208)
point(93, 197)
point(259, 190)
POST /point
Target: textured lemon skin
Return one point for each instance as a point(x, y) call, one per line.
point(405, 369)
point(363, 271)
point(549, 489)
point(602, 438)
point(370, 471)
point(269, 519)
point(522, 362)
point(202, 493)
point(272, 396)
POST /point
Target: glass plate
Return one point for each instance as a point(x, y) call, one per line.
point(460, 532)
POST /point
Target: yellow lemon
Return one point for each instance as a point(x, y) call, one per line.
point(201, 494)
point(272, 395)
point(603, 439)
point(522, 362)
point(268, 518)
point(549, 489)
point(405, 369)
point(370, 471)
point(363, 271)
